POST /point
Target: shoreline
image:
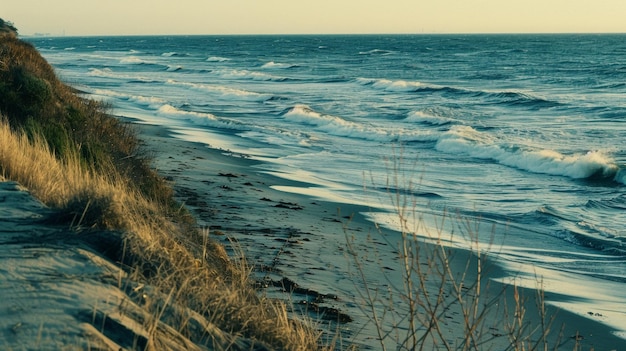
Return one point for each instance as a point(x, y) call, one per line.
point(325, 258)
point(302, 239)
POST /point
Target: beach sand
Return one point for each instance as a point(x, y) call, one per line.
point(303, 239)
point(59, 291)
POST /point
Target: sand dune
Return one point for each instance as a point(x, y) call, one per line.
point(58, 293)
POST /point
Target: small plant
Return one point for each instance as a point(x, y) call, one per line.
point(434, 297)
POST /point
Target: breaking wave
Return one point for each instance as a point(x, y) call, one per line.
point(217, 59)
point(429, 119)
point(174, 54)
point(274, 65)
point(174, 68)
point(109, 73)
point(338, 126)
point(397, 85)
point(251, 75)
point(506, 97)
point(134, 60)
point(467, 140)
point(223, 92)
point(171, 111)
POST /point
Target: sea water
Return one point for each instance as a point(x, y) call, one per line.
point(522, 133)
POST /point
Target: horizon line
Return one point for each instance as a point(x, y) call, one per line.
point(50, 35)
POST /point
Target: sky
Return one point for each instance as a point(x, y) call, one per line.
point(139, 17)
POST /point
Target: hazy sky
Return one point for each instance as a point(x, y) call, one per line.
point(113, 17)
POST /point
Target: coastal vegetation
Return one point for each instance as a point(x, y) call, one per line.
point(88, 166)
point(7, 28)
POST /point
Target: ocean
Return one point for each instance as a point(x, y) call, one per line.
point(523, 134)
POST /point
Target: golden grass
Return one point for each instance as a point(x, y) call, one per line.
point(87, 165)
point(35, 101)
point(186, 267)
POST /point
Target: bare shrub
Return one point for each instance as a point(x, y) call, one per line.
point(435, 296)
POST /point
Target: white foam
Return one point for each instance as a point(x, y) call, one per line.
point(272, 137)
point(133, 60)
point(334, 125)
point(217, 59)
point(395, 85)
point(200, 119)
point(105, 72)
point(338, 126)
point(169, 110)
point(245, 74)
point(108, 93)
point(423, 117)
point(149, 101)
point(467, 140)
point(274, 65)
point(174, 68)
point(109, 73)
point(222, 92)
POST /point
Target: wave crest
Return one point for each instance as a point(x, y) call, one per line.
point(467, 140)
point(171, 111)
point(245, 74)
point(392, 85)
point(174, 54)
point(274, 65)
point(518, 98)
point(134, 60)
point(424, 117)
point(217, 59)
point(174, 68)
point(223, 92)
point(505, 97)
point(109, 73)
point(338, 126)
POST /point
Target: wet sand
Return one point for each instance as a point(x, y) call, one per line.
point(296, 239)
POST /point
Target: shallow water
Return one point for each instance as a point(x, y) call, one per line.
point(524, 132)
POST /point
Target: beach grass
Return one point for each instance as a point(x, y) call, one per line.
point(88, 166)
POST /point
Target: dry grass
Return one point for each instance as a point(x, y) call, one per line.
point(87, 165)
point(187, 269)
point(33, 100)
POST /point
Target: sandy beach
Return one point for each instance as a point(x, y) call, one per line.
point(303, 239)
